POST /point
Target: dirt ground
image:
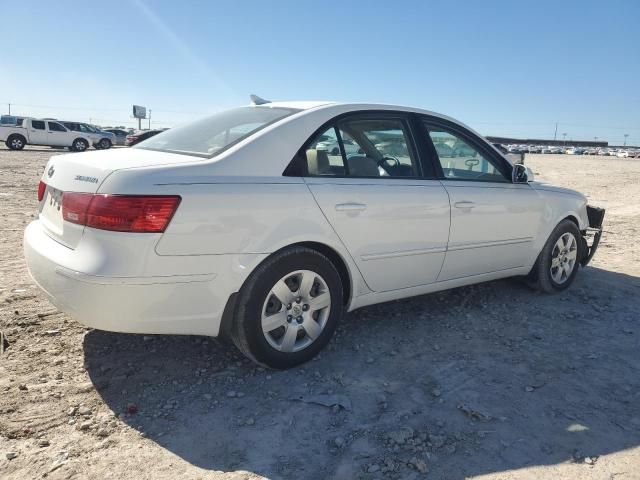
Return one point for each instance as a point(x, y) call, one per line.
point(492, 381)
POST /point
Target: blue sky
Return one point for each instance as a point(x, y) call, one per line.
point(502, 67)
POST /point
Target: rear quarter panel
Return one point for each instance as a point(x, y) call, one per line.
point(233, 215)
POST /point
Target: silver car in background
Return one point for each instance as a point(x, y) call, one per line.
point(100, 140)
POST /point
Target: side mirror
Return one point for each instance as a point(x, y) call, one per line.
point(519, 174)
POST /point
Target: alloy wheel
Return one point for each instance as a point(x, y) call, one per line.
point(563, 258)
point(296, 311)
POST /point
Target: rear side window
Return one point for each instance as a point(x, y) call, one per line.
point(323, 155)
point(212, 135)
point(56, 127)
point(37, 124)
point(363, 147)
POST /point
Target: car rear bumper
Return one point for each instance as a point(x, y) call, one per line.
point(160, 304)
point(594, 233)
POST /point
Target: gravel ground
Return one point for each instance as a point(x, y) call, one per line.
point(492, 381)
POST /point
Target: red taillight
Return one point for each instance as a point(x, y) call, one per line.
point(120, 213)
point(74, 207)
point(41, 188)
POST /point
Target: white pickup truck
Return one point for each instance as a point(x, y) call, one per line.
point(43, 132)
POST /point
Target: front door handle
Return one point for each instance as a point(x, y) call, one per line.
point(464, 204)
point(350, 207)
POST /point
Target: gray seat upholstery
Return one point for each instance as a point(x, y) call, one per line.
point(318, 162)
point(360, 166)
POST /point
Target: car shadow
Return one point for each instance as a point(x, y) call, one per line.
point(480, 379)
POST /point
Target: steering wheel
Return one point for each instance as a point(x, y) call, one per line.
point(387, 163)
point(471, 162)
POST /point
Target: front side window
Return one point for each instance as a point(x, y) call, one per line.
point(37, 124)
point(461, 161)
point(362, 147)
point(56, 127)
point(211, 135)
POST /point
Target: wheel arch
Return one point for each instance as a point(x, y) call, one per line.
point(17, 135)
point(80, 137)
point(571, 218)
point(334, 257)
point(338, 262)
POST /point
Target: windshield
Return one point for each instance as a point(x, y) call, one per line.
point(211, 135)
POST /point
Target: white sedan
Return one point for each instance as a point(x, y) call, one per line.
point(239, 225)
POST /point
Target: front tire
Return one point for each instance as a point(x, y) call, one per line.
point(288, 308)
point(104, 144)
point(557, 265)
point(79, 145)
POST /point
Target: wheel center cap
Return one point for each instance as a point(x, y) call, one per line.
point(296, 310)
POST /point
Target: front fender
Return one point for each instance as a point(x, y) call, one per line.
point(559, 204)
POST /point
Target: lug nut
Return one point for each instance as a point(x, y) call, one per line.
point(289, 318)
point(305, 307)
point(299, 319)
point(288, 306)
point(298, 300)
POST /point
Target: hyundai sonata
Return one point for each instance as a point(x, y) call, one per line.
point(244, 224)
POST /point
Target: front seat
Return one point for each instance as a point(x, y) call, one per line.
point(360, 166)
point(318, 162)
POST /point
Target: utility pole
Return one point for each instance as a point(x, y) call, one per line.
point(149, 119)
point(556, 132)
point(9, 109)
point(625, 139)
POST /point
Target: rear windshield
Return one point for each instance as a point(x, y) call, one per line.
point(212, 135)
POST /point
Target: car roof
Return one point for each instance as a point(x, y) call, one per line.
point(345, 107)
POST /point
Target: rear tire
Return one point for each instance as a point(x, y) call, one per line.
point(104, 144)
point(557, 265)
point(16, 142)
point(79, 145)
point(291, 328)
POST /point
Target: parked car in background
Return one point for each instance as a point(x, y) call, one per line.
point(140, 136)
point(99, 139)
point(120, 135)
point(331, 145)
point(268, 240)
point(43, 132)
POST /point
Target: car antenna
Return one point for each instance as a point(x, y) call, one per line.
point(256, 100)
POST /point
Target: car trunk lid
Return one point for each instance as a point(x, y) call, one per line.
point(84, 173)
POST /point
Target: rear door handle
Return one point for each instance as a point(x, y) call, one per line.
point(464, 204)
point(350, 207)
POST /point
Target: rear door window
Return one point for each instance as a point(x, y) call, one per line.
point(37, 124)
point(56, 127)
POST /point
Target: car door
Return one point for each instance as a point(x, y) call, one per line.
point(493, 221)
point(38, 134)
point(393, 219)
point(58, 135)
